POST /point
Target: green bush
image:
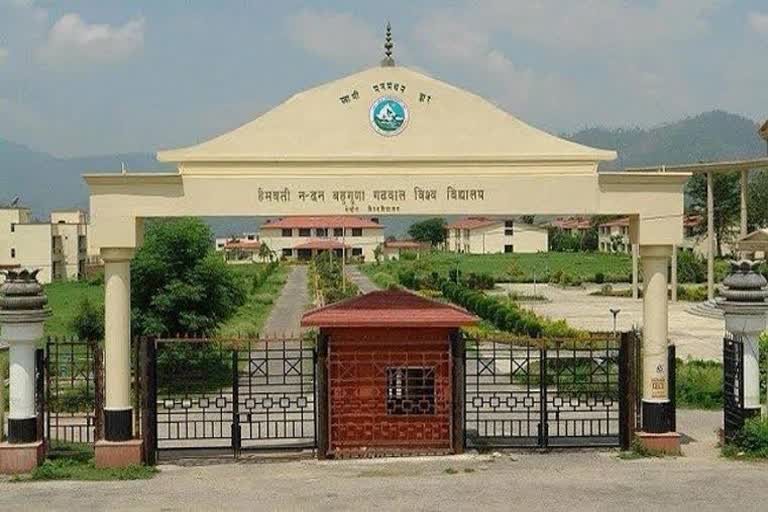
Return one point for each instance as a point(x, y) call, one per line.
point(408, 255)
point(699, 384)
point(691, 268)
point(753, 438)
point(599, 278)
point(88, 322)
point(384, 280)
point(478, 281)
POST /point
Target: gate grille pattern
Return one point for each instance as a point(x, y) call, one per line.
point(540, 393)
point(72, 393)
point(238, 394)
point(733, 387)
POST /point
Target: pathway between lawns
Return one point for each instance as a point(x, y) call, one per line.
point(361, 280)
point(285, 317)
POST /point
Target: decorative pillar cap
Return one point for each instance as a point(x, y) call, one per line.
point(22, 298)
point(744, 286)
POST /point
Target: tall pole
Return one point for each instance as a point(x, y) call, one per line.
point(744, 195)
point(673, 268)
point(635, 271)
point(710, 236)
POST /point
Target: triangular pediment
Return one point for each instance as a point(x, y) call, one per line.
point(335, 121)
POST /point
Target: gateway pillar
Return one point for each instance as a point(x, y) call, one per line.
point(22, 312)
point(657, 412)
point(744, 304)
point(119, 448)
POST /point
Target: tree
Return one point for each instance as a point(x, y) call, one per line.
point(757, 213)
point(432, 230)
point(378, 252)
point(726, 194)
point(88, 322)
point(178, 284)
point(265, 253)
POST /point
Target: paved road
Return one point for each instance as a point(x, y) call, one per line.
point(700, 338)
point(285, 317)
point(361, 280)
point(568, 481)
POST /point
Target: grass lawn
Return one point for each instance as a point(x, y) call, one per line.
point(64, 298)
point(250, 317)
point(517, 267)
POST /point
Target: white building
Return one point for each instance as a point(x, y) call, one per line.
point(482, 235)
point(393, 249)
point(240, 249)
point(302, 237)
point(58, 248)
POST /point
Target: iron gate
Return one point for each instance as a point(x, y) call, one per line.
point(241, 394)
point(546, 393)
point(733, 387)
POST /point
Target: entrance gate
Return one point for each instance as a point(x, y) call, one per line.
point(733, 387)
point(548, 393)
point(243, 394)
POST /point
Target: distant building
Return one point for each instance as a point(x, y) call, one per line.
point(393, 249)
point(572, 225)
point(613, 236)
point(483, 235)
point(240, 249)
point(59, 248)
point(302, 237)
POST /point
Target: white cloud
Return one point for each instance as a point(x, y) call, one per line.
point(3, 54)
point(71, 39)
point(758, 22)
point(335, 36)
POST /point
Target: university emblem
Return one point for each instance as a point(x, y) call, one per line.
point(389, 116)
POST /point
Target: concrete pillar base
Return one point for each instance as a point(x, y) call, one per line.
point(667, 443)
point(16, 459)
point(119, 454)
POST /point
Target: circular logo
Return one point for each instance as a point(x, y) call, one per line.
point(388, 116)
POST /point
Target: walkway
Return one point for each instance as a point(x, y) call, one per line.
point(697, 337)
point(561, 480)
point(285, 317)
point(361, 280)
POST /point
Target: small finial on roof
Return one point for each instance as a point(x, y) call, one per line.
point(388, 45)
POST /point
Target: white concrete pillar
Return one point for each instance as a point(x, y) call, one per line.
point(673, 268)
point(744, 195)
point(655, 402)
point(21, 339)
point(711, 250)
point(635, 271)
point(118, 410)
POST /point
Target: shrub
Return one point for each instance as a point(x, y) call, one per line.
point(480, 281)
point(384, 280)
point(408, 255)
point(408, 279)
point(753, 438)
point(599, 278)
point(88, 322)
point(691, 268)
point(699, 384)
point(192, 367)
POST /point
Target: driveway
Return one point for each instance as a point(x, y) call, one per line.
point(565, 480)
point(361, 280)
point(697, 337)
point(285, 317)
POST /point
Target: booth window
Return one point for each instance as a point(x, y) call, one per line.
point(410, 390)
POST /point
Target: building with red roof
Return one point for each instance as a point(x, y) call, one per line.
point(389, 369)
point(486, 235)
point(304, 236)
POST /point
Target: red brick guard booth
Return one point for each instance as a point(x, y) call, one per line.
point(390, 375)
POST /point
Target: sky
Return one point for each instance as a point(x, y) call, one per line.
point(90, 77)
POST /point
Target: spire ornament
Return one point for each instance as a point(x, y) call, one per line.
point(388, 60)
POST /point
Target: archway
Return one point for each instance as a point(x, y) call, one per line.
point(387, 140)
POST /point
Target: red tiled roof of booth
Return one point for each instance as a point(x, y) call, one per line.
point(321, 221)
point(473, 223)
point(320, 244)
point(389, 308)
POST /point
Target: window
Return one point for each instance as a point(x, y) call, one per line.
point(287, 232)
point(357, 231)
point(13, 228)
point(509, 228)
point(357, 251)
point(220, 245)
point(251, 237)
point(410, 391)
point(321, 232)
point(13, 253)
point(338, 231)
point(287, 252)
point(305, 232)
point(509, 248)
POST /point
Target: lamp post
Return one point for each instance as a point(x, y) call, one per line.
point(22, 313)
point(615, 313)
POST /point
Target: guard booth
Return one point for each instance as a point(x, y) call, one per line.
point(390, 375)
